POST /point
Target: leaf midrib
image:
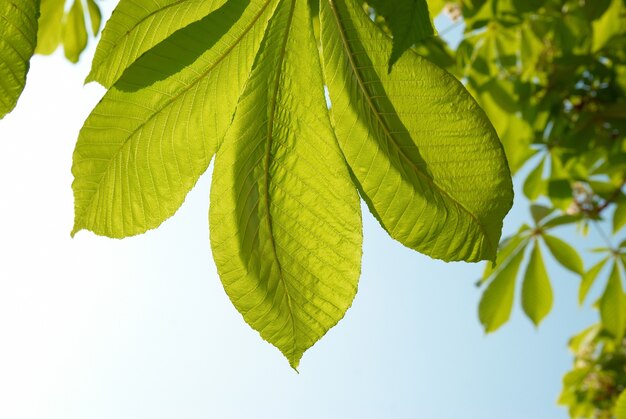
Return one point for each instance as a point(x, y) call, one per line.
point(169, 102)
point(268, 154)
point(376, 112)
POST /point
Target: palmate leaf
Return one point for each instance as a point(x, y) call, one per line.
point(536, 288)
point(135, 27)
point(150, 138)
point(285, 217)
point(18, 36)
point(424, 155)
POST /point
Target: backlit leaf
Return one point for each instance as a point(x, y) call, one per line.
point(588, 279)
point(612, 305)
point(535, 186)
point(497, 301)
point(424, 155)
point(149, 139)
point(565, 254)
point(619, 216)
point(285, 217)
point(50, 26)
point(74, 32)
point(137, 26)
point(536, 288)
point(18, 35)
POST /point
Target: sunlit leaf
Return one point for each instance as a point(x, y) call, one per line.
point(18, 35)
point(565, 254)
point(94, 16)
point(74, 33)
point(620, 406)
point(424, 155)
point(536, 288)
point(137, 26)
point(539, 212)
point(285, 216)
point(149, 139)
point(588, 280)
point(509, 247)
point(497, 301)
point(612, 305)
point(50, 26)
point(535, 186)
point(619, 216)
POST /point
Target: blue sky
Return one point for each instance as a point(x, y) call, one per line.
point(141, 328)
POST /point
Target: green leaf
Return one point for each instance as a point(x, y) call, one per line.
point(149, 139)
point(285, 217)
point(423, 154)
point(511, 246)
point(560, 220)
point(137, 26)
point(94, 16)
point(609, 24)
point(409, 22)
point(74, 32)
point(535, 186)
point(536, 288)
point(613, 305)
point(619, 216)
point(18, 35)
point(565, 254)
point(620, 406)
point(497, 301)
point(588, 279)
point(50, 26)
point(539, 212)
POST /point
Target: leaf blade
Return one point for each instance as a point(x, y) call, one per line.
point(148, 140)
point(134, 28)
point(536, 289)
point(289, 253)
point(496, 302)
point(613, 305)
point(418, 195)
point(565, 254)
point(18, 36)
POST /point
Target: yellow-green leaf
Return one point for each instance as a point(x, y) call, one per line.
point(150, 138)
point(137, 26)
point(612, 305)
point(536, 288)
point(50, 26)
point(619, 216)
point(285, 217)
point(497, 301)
point(74, 32)
point(535, 186)
point(18, 35)
point(424, 155)
point(565, 254)
point(588, 279)
point(95, 16)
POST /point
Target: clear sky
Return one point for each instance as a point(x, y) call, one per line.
point(94, 328)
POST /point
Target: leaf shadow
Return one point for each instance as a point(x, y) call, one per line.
point(181, 49)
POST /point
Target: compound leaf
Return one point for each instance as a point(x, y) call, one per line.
point(149, 139)
point(74, 32)
point(285, 217)
point(18, 36)
point(424, 155)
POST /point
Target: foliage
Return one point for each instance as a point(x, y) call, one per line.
point(193, 78)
